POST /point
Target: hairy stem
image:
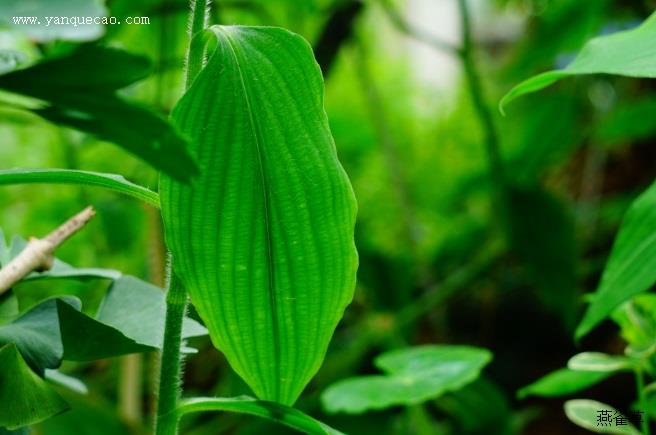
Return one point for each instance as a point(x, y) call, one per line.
point(166, 420)
point(171, 363)
point(38, 254)
point(195, 50)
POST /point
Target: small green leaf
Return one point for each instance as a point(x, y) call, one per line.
point(584, 413)
point(562, 382)
point(79, 90)
point(599, 362)
point(85, 339)
point(137, 309)
point(637, 320)
point(263, 239)
point(282, 414)
point(36, 335)
point(629, 53)
point(631, 268)
point(26, 399)
point(69, 176)
point(413, 376)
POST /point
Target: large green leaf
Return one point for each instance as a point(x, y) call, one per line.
point(628, 53)
point(79, 91)
point(26, 399)
point(562, 382)
point(282, 414)
point(263, 240)
point(631, 268)
point(69, 176)
point(413, 376)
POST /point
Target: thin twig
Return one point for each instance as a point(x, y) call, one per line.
point(38, 254)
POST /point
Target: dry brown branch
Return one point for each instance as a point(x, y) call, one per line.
point(38, 254)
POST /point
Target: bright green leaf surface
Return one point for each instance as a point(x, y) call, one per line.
point(80, 91)
point(270, 410)
point(26, 399)
point(68, 176)
point(631, 268)
point(599, 362)
point(629, 53)
point(413, 376)
point(263, 240)
point(583, 412)
point(562, 382)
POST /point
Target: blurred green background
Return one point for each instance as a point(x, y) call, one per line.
point(443, 258)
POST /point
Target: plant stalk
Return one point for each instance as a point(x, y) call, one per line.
point(166, 420)
point(472, 75)
point(642, 400)
point(171, 362)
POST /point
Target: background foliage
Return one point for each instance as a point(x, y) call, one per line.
point(443, 259)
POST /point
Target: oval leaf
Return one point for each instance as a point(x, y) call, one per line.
point(629, 53)
point(599, 362)
point(413, 376)
point(585, 413)
point(263, 239)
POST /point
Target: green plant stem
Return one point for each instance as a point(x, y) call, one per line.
point(166, 420)
point(466, 53)
point(195, 50)
point(642, 399)
point(171, 362)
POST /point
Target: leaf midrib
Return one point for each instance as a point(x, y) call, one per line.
point(269, 245)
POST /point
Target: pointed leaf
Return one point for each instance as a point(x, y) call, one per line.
point(137, 309)
point(628, 53)
point(263, 240)
point(26, 399)
point(414, 375)
point(36, 335)
point(584, 413)
point(631, 268)
point(69, 176)
point(562, 382)
point(282, 414)
point(79, 90)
